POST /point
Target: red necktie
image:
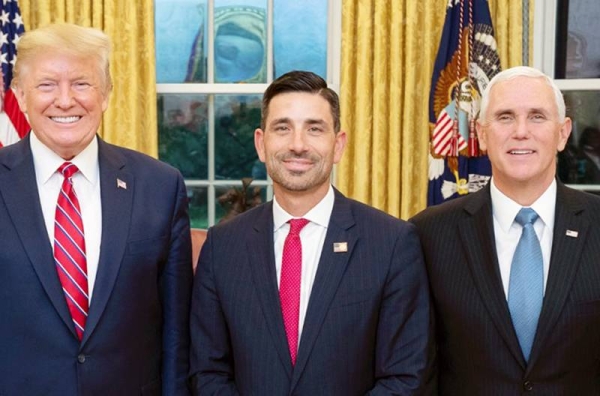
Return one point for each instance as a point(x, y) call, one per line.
point(69, 249)
point(289, 284)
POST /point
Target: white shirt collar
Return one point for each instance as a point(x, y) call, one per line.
point(505, 209)
point(46, 161)
point(319, 214)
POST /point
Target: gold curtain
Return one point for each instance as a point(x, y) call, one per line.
point(388, 52)
point(130, 120)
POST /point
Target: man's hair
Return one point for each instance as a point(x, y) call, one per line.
point(301, 81)
point(522, 71)
point(68, 39)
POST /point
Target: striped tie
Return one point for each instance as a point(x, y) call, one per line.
point(526, 284)
point(69, 249)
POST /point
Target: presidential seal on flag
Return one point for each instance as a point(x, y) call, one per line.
point(467, 59)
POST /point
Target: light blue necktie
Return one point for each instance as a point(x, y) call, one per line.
point(526, 286)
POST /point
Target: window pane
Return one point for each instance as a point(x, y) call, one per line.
point(240, 41)
point(300, 36)
point(578, 39)
point(180, 40)
point(236, 118)
point(198, 206)
point(182, 133)
point(232, 200)
point(579, 163)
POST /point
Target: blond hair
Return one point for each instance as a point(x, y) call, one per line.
point(68, 39)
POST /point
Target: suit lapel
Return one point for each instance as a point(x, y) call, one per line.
point(564, 262)
point(329, 275)
point(262, 264)
point(117, 203)
point(19, 191)
point(477, 235)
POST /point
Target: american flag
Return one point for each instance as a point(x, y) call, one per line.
point(13, 124)
point(466, 61)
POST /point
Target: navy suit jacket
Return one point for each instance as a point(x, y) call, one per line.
point(136, 339)
point(478, 350)
point(367, 324)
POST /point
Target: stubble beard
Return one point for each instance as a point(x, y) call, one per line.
point(298, 181)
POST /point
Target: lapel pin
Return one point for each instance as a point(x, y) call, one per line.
point(572, 234)
point(121, 184)
point(340, 247)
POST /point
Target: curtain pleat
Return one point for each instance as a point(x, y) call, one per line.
point(388, 52)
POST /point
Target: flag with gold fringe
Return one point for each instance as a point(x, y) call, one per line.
point(466, 61)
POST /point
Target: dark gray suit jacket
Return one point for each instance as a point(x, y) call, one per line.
point(478, 350)
point(367, 326)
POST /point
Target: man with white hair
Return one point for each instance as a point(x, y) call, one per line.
point(513, 268)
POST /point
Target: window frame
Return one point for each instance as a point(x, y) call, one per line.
point(544, 55)
point(334, 34)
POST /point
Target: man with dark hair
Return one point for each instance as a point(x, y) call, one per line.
point(312, 293)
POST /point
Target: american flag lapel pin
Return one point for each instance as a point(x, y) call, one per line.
point(340, 247)
point(572, 234)
point(121, 184)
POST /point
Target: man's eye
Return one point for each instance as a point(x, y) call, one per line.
point(538, 117)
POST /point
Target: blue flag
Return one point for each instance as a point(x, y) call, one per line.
point(466, 61)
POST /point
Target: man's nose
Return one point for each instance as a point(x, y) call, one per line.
point(65, 97)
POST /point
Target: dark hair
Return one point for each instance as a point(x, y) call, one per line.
point(301, 81)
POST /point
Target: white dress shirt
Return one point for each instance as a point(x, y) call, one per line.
point(86, 184)
point(507, 232)
point(312, 237)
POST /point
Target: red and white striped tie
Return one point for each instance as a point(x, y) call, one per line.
point(69, 249)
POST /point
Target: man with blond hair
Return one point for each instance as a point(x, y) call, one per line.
point(95, 272)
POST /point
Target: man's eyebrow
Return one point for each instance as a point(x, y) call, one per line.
point(315, 121)
point(503, 111)
point(282, 120)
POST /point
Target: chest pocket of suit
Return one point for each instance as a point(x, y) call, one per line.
point(353, 298)
point(150, 246)
point(587, 308)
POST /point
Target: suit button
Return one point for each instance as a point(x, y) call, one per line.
point(81, 358)
point(528, 386)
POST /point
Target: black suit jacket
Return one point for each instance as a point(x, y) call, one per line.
point(478, 350)
point(367, 324)
point(136, 339)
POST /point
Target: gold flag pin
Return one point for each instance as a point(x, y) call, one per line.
point(340, 247)
point(572, 234)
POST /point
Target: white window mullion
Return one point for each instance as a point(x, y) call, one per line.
point(211, 159)
point(270, 42)
point(334, 43)
point(210, 35)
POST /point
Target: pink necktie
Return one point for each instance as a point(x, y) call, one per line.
point(69, 249)
point(289, 284)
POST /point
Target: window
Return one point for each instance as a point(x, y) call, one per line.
point(214, 60)
point(567, 47)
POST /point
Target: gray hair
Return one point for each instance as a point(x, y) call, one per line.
point(522, 71)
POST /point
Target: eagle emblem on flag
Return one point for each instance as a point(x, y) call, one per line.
point(467, 60)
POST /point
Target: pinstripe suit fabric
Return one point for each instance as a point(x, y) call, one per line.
point(367, 323)
point(477, 349)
